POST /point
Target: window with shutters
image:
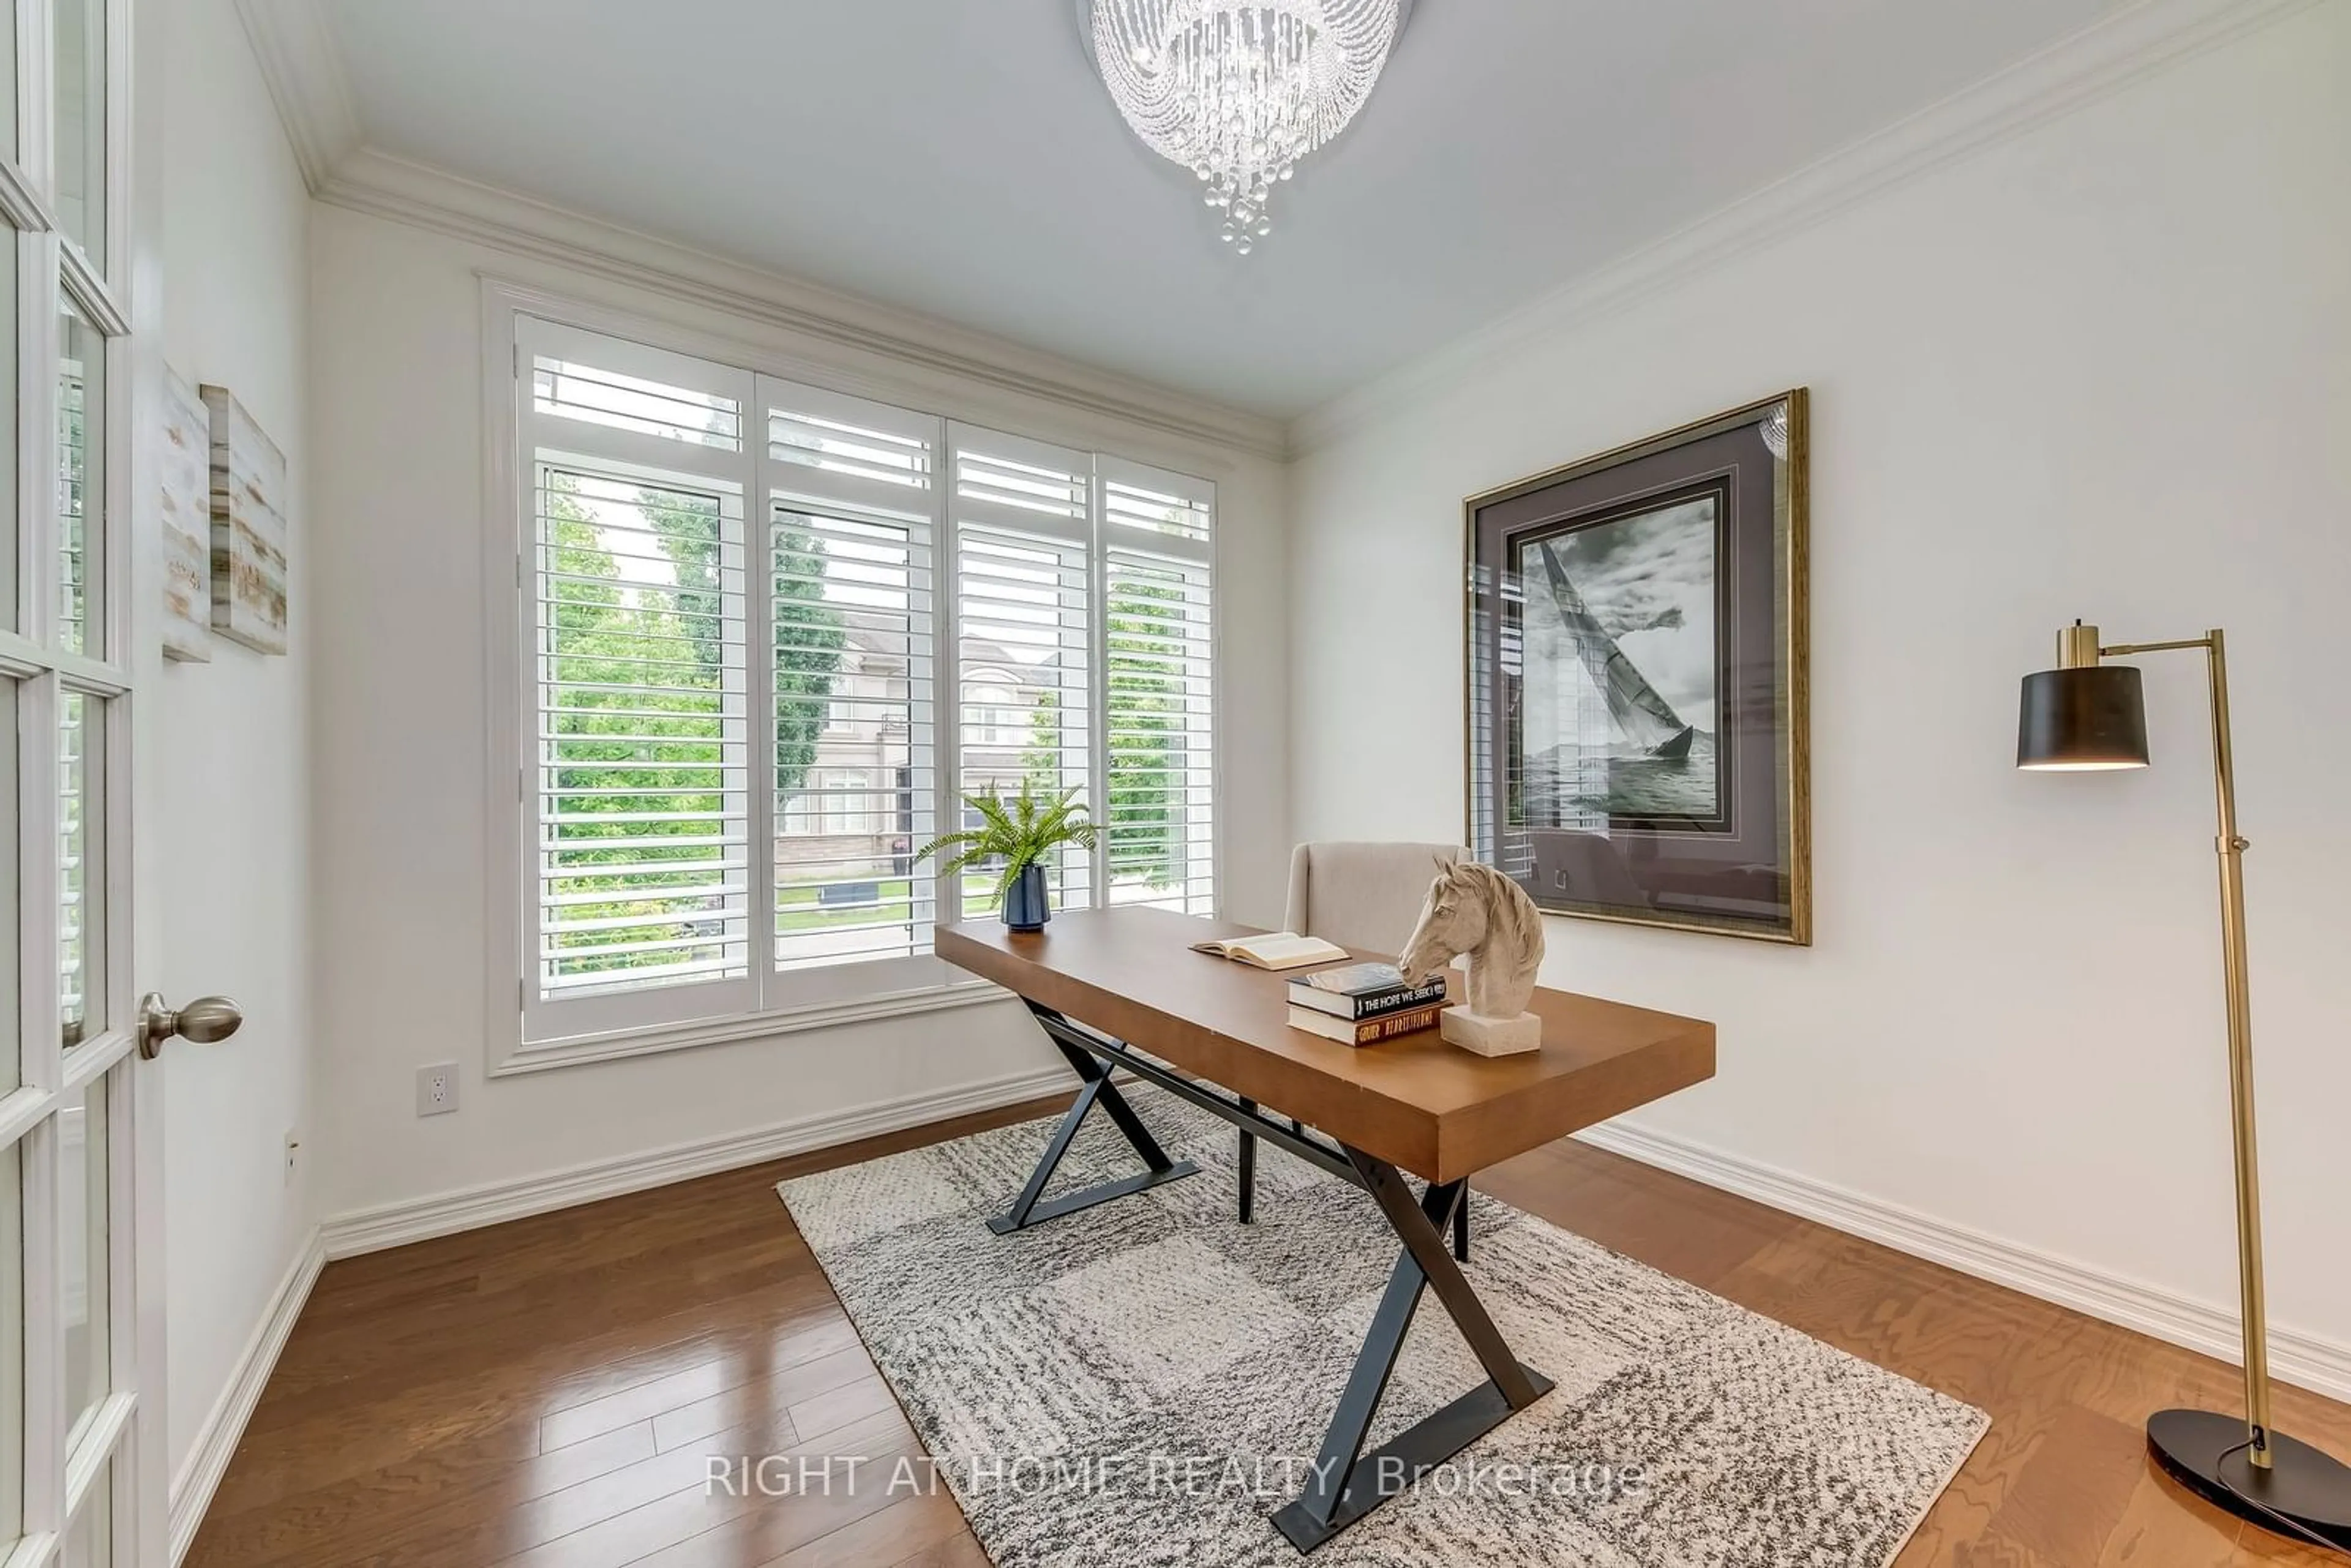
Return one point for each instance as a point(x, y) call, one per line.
point(1023, 533)
point(640, 883)
point(1158, 720)
point(854, 779)
point(770, 635)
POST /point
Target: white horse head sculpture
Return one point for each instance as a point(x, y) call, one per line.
point(1474, 909)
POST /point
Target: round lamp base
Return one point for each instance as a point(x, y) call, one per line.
point(2304, 1484)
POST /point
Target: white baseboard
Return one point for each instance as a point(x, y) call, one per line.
point(444, 1214)
point(2320, 1365)
point(223, 1428)
point(395, 1225)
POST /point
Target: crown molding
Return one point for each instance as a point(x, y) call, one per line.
point(300, 61)
point(304, 69)
point(2075, 70)
point(368, 180)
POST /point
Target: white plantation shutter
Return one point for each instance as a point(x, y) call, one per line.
point(1158, 722)
point(853, 492)
point(770, 633)
point(640, 878)
point(643, 732)
point(595, 395)
point(1023, 531)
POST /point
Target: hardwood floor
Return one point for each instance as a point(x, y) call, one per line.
point(543, 1393)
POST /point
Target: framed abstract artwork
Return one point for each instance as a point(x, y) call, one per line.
point(184, 475)
point(248, 513)
point(1637, 680)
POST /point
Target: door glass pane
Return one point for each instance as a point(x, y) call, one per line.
point(82, 881)
point(7, 79)
point(82, 1251)
point(81, 124)
point(12, 1349)
point(81, 478)
point(9, 247)
point(91, 1542)
point(11, 1050)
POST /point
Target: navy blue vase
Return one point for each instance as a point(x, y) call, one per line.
point(1025, 907)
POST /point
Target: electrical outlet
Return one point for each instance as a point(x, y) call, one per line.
point(293, 1152)
point(436, 1089)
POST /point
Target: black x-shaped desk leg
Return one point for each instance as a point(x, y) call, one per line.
point(1347, 1483)
point(1098, 1090)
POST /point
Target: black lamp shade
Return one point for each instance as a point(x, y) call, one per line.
point(2089, 717)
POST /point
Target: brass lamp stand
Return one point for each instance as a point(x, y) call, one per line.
point(2087, 715)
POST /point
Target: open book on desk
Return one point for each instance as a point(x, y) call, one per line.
point(1274, 950)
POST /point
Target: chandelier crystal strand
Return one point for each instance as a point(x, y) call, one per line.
point(1238, 90)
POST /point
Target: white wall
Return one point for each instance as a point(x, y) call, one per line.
point(232, 847)
point(400, 768)
point(2099, 369)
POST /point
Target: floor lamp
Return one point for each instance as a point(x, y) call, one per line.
point(2085, 716)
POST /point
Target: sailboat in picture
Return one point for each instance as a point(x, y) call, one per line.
point(1638, 674)
point(1641, 715)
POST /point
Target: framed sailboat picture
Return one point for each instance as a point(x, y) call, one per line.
point(1637, 688)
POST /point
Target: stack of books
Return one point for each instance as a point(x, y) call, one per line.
point(1362, 1003)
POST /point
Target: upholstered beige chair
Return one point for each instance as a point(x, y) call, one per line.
point(1362, 895)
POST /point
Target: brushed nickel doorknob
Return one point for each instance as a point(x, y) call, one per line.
point(203, 1021)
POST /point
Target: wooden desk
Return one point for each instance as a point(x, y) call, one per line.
point(1109, 985)
point(1431, 1108)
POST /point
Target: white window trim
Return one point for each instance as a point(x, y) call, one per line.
point(506, 574)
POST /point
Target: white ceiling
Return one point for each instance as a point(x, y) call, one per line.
point(959, 158)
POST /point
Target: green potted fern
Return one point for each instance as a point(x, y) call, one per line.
point(1017, 833)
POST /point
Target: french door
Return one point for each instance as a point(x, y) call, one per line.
point(72, 1424)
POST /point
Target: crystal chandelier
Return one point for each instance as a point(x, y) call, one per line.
point(1238, 90)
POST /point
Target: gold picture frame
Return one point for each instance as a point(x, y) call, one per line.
point(1739, 864)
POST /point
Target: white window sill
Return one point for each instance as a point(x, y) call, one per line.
point(544, 1055)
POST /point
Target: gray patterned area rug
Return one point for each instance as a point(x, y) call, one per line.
point(1141, 1384)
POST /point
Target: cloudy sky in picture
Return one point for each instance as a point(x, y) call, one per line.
point(1649, 580)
